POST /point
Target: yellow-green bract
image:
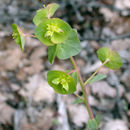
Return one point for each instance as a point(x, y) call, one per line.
point(61, 82)
point(18, 35)
point(45, 13)
point(115, 61)
point(52, 31)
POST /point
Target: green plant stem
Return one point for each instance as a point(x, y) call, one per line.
point(78, 96)
point(71, 72)
point(29, 35)
point(106, 61)
point(83, 88)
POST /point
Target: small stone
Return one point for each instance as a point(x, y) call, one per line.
point(78, 114)
point(103, 89)
point(116, 125)
point(127, 95)
point(126, 78)
point(93, 101)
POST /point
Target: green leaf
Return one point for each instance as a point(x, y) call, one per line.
point(98, 119)
point(77, 100)
point(61, 82)
point(52, 31)
point(106, 53)
point(70, 47)
point(51, 53)
point(52, 9)
point(18, 35)
point(45, 13)
point(92, 124)
point(74, 76)
point(97, 78)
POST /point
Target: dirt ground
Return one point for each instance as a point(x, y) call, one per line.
point(27, 102)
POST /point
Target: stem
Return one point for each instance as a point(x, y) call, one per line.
point(107, 60)
point(83, 88)
point(78, 96)
point(71, 72)
point(29, 35)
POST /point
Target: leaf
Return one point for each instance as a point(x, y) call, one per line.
point(69, 47)
point(18, 35)
point(52, 9)
point(97, 78)
point(48, 35)
point(61, 82)
point(51, 53)
point(45, 13)
point(74, 76)
point(98, 119)
point(106, 53)
point(77, 100)
point(92, 124)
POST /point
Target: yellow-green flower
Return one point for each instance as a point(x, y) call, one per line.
point(52, 31)
point(18, 35)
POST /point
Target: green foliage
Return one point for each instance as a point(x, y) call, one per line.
point(45, 13)
point(92, 124)
point(61, 82)
point(52, 31)
point(98, 119)
point(70, 47)
point(74, 76)
point(96, 78)
point(78, 100)
point(51, 53)
point(115, 61)
point(18, 35)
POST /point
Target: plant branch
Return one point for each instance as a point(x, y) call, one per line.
point(83, 88)
point(29, 35)
point(106, 61)
point(78, 96)
point(71, 72)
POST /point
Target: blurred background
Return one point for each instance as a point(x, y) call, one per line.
point(27, 102)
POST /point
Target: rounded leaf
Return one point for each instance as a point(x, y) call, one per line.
point(70, 47)
point(45, 13)
point(115, 61)
point(61, 82)
point(52, 31)
point(18, 35)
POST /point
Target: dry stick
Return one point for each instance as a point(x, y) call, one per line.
point(106, 61)
point(83, 88)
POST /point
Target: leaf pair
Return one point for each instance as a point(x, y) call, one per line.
point(93, 124)
point(61, 82)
